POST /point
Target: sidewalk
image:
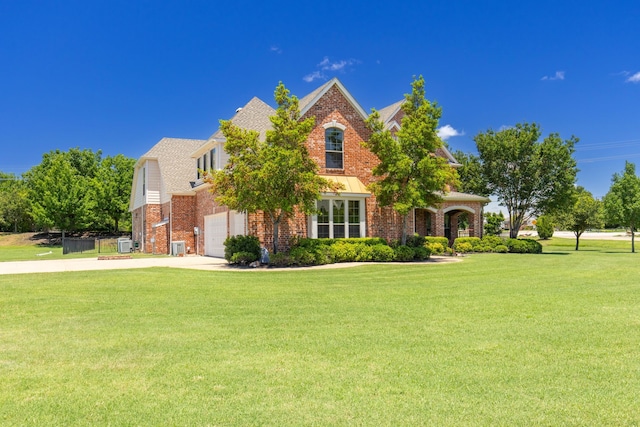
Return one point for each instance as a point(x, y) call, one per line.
point(87, 264)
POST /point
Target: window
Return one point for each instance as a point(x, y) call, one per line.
point(334, 148)
point(144, 181)
point(198, 167)
point(337, 218)
point(212, 157)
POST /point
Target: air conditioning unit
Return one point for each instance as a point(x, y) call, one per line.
point(124, 245)
point(178, 248)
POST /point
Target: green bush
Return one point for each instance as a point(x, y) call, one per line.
point(344, 252)
point(404, 253)
point(382, 253)
point(544, 226)
point(302, 256)
point(524, 246)
point(243, 258)
point(235, 244)
point(364, 253)
point(492, 241)
point(281, 259)
point(463, 247)
point(437, 245)
point(421, 253)
point(416, 241)
point(501, 249)
point(435, 248)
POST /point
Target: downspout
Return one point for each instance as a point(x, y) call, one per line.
point(170, 222)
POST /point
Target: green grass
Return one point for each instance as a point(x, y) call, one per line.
point(547, 339)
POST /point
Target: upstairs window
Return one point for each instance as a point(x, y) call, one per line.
point(334, 148)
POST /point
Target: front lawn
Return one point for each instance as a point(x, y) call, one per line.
point(499, 339)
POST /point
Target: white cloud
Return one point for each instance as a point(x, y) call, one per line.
point(327, 65)
point(559, 75)
point(275, 49)
point(447, 131)
point(634, 78)
point(314, 76)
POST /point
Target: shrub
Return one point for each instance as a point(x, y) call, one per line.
point(382, 253)
point(302, 256)
point(466, 244)
point(364, 253)
point(404, 253)
point(493, 223)
point(524, 246)
point(501, 249)
point(235, 244)
point(343, 252)
point(416, 241)
point(243, 258)
point(435, 248)
point(463, 247)
point(437, 245)
point(421, 253)
point(544, 225)
point(281, 259)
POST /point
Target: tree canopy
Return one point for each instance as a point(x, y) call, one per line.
point(14, 204)
point(622, 202)
point(583, 213)
point(528, 176)
point(275, 176)
point(410, 174)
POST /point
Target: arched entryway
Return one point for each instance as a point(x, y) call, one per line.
point(459, 221)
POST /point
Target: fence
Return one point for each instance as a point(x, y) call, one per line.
point(75, 245)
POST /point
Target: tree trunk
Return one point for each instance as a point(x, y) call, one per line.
point(633, 240)
point(403, 240)
point(577, 241)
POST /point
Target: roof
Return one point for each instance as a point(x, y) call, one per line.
point(352, 185)
point(308, 101)
point(174, 160)
point(387, 113)
point(454, 196)
point(253, 116)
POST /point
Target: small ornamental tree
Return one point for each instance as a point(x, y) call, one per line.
point(410, 174)
point(493, 223)
point(622, 202)
point(274, 176)
point(527, 176)
point(544, 226)
point(584, 213)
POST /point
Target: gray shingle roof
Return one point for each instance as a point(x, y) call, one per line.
point(254, 116)
point(387, 113)
point(175, 162)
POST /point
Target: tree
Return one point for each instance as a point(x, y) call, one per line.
point(622, 202)
point(14, 205)
point(470, 174)
point(584, 212)
point(544, 226)
point(410, 174)
point(111, 189)
point(493, 223)
point(275, 176)
point(527, 176)
point(59, 189)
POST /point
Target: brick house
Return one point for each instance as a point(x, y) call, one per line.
point(170, 203)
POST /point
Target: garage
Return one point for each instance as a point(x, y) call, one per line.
point(216, 229)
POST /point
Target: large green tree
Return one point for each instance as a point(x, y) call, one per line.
point(470, 174)
point(60, 189)
point(275, 176)
point(111, 190)
point(584, 212)
point(14, 204)
point(409, 174)
point(622, 202)
point(528, 176)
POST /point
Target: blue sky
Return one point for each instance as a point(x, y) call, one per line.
point(118, 76)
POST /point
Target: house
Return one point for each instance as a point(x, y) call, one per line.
point(172, 208)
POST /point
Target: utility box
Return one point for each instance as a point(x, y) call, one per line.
point(124, 245)
point(178, 248)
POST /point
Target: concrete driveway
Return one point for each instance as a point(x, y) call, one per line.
point(86, 264)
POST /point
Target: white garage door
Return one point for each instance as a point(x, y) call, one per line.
point(215, 233)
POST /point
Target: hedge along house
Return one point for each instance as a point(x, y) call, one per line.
point(171, 203)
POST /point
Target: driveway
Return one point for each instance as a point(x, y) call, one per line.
point(86, 264)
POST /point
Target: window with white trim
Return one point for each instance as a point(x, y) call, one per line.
point(334, 148)
point(337, 218)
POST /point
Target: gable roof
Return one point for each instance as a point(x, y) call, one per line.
point(308, 101)
point(389, 112)
point(254, 116)
point(175, 162)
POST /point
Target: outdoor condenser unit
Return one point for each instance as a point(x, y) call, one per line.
point(124, 245)
point(178, 248)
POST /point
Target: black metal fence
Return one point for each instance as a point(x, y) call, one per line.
point(78, 245)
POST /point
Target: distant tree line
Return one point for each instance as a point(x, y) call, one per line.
point(70, 191)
